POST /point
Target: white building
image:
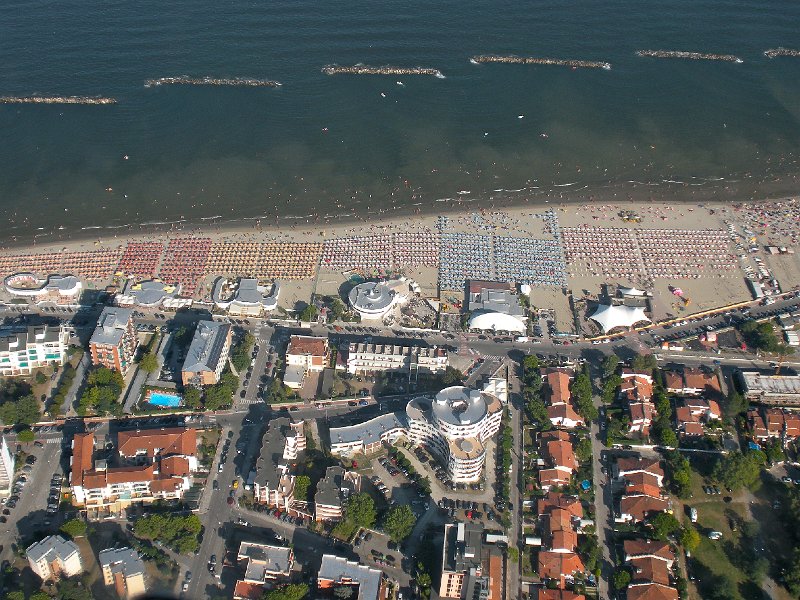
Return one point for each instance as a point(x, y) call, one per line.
point(58, 289)
point(455, 426)
point(23, 350)
point(123, 569)
point(304, 354)
point(6, 468)
point(245, 297)
point(372, 358)
point(54, 557)
point(373, 300)
point(151, 294)
point(280, 448)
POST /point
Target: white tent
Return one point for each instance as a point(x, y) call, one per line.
point(495, 321)
point(626, 291)
point(610, 316)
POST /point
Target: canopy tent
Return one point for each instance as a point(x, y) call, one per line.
point(611, 316)
point(495, 321)
point(626, 291)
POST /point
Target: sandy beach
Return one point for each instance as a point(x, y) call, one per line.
point(701, 248)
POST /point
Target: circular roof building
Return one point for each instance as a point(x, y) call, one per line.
point(372, 299)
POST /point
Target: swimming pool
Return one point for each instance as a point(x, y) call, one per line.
point(162, 399)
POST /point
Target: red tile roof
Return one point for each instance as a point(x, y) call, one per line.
point(649, 569)
point(558, 500)
point(545, 594)
point(555, 565)
point(175, 465)
point(83, 447)
point(562, 455)
point(302, 345)
point(642, 547)
point(175, 440)
point(639, 507)
point(558, 383)
point(651, 591)
point(248, 591)
point(642, 483)
point(650, 465)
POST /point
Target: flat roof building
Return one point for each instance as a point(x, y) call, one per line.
point(771, 389)
point(207, 354)
point(337, 571)
point(114, 341)
point(245, 297)
point(333, 490)
point(373, 358)
point(264, 562)
point(280, 447)
point(6, 468)
point(23, 349)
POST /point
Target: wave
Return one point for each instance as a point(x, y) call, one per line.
point(565, 184)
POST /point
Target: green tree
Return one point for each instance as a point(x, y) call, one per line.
point(644, 362)
point(582, 392)
point(217, 396)
point(149, 363)
point(663, 433)
point(621, 579)
point(192, 397)
point(25, 436)
point(663, 525)
point(610, 387)
point(344, 592)
point(792, 575)
point(302, 485)
point(360, 510)
point(774, 450)
point(736, 403)
point(736, 469)
point(583, 449)
point(15, 595)
point(291, 591)
point(39, 596)
point(8, 413)
point(74, 528)
point(181, 533)
point(538, 411)
point(399, 522)
point(309, 313)
point(662, 404)
point(690, 539)
point(513, 554)
point(72, 589)
point(338, 309)
point(451, 376)
point(40, 378)
point(679, 474)
point(610, 365)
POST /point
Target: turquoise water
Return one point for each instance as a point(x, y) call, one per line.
point(321, 146)
point(165, 400)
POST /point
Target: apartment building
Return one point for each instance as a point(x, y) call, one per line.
point(207, 354)
point(124, 570)
point(262, 565)
point(6, 468)
point(373, 358)
point(24, 349)
point(336, 571)
point(304, 354)
point(470, 570)
point(333, 490)
point(280, 447)
point(114, 341)
point(54, 557)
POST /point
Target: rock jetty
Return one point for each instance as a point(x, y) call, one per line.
point(226, 81)
point(385, 70)
point(689, 55)
point(530, 60)
point(55, 100)
point(773, 52)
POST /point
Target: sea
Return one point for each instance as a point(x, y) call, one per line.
point(355, 146)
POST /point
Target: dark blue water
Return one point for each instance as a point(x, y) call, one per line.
point(727, 131)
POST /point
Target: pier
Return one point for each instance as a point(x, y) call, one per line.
point(222, 81)
point(531, 60)
point(689, 55)
point(774, 52)
point(385, 70)
point(55, 100)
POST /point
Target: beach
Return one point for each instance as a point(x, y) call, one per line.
point(703, 249)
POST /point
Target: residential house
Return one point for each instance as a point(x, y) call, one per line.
point(303, 355)
point(560, 406)
point(651, 591)
point(546, 594)
point(123, 569)
point(758, 426)
point(629, 466)
point(333, 490)
point(636, 393)
point(54, 557)
point(639, 507)
point(558, 455)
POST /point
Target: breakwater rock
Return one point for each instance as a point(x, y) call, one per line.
point(384, 70)
point(223, 81)
point(56, 100)
point(689, 55)
point(773, 52)
point(531, 60)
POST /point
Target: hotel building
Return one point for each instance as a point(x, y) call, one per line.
point(373, 358)
point(207, 354)
point(114, 341)
point(23, 350)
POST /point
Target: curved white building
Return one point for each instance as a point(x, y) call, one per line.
point(372, 300)
point(245, 297)
point(495, 322)
point(62, 289)
point(455, 426)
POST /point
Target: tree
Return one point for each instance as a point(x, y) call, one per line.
point(736, 469)
point(662, 403)
point(39, 596)
point(621, 579)
point(513, 554)
point(664, 524)
point(40, 378)
point(291, 591)
point(736, 403)
point(774, 450)
point(149, 363)
point(452, 376)
point(74, 528)
point(610, 364)
point(217, 396)
point(25, 436)
point(583, 449)
point(360, 509)
point(663, 432)
point(72, 589)
point(344, 592)
point(792, 576)
point(644, 362)
point(582, 392)
point(192, 397)
point(338, 309)
point(302, 484)
point(690, 539)
point(538, 411)
point(610, 386)
point(679, 474)
point(308, 314)
point(399, 522)
point(178, 532)
point(15, 595)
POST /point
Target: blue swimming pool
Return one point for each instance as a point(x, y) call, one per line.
point(162, 399)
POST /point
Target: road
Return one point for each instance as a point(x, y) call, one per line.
point(602, 503)
point(516, 538)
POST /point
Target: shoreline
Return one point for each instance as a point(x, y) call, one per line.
point(688, 191)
